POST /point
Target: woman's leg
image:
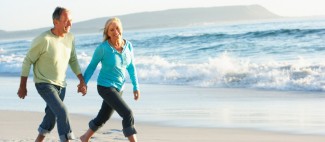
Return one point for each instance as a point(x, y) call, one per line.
point(132, 138)
point(114, 99)
point(103, 115)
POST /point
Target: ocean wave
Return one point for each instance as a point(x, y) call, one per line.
point(196, 37)
point(283, 32)
point(280, 44)
point(91, 45)
point(225, 71)
point(222, 71)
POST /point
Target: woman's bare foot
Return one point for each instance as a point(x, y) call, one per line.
point(133, 138)
point(83, 138)
point(86, 137)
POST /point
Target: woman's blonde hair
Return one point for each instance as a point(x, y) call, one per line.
point(108, 23)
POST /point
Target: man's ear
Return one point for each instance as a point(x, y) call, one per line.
point(55, 22)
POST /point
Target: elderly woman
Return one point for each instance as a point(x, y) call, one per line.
point(116, 57)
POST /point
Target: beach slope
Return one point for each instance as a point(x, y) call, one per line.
point(19, 126)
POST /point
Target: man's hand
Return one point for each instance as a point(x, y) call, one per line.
point(22, 93)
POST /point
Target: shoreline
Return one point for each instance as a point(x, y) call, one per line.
point(176, 113)
point(22, 126)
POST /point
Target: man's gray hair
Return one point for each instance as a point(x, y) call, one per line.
point(57, 12)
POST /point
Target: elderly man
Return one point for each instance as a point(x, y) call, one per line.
point(50, 54)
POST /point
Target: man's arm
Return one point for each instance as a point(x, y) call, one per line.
point(38, 47)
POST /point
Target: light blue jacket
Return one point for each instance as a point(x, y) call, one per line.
point(114, 66)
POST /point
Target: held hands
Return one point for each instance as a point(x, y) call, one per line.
point(136, 94)
point(82, 87)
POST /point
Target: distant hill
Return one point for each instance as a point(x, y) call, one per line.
point(166, 18)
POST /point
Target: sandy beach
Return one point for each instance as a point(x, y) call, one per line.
point(20, 126)
point(175, 114)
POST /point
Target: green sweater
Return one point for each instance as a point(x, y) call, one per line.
point(50, 56)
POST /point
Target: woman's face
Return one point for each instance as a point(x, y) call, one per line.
point(114, 31)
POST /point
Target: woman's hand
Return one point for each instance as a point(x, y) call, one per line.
point(136, 94)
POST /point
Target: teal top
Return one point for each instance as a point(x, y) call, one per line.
point(114, 66)
point(50, 56)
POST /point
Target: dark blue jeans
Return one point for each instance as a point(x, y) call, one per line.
point(113, 101)
point(55, 111)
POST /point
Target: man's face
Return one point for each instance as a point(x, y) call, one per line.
point(64, 24)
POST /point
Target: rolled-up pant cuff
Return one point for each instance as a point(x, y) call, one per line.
point(66, 137)
point(93, 126)
point(129, 131)
point(43, 132)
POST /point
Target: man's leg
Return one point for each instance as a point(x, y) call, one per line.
point(54, 96)
point(40, 138)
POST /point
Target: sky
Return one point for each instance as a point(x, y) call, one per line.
point(31, 14)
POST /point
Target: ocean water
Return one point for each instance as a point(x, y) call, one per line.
point(266, 76)
point(273, 56)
